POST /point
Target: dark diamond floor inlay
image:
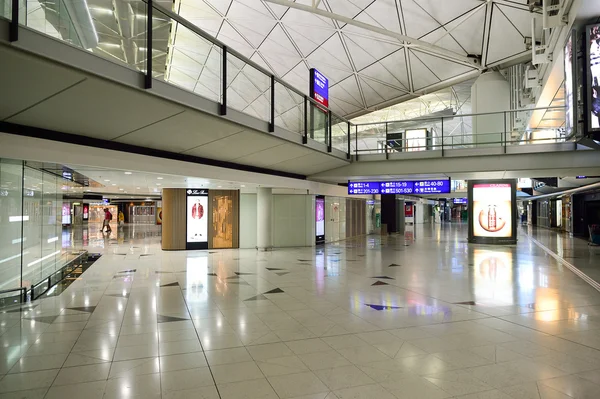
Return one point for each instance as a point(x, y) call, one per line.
point(175, 284)
point(119, 295)
point(273, 268)
point(384, 277)
point(88, 309)
point(394, 265)
point(257, 298)
point(382, 307)
point(43, 319)
point(244, 274)
point(212, 274)
point(379, 283)
point(127, 271)
point(275, 291)
point(465, 303)
point(168, 319)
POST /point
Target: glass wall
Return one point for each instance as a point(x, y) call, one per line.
point(31, 203)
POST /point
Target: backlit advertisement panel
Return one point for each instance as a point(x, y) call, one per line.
point(197, 219)
point(320, 219)
point(86, 212)
point(492, 210)
point(593, 76)
point(570, 88)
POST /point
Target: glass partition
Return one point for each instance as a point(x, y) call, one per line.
point(11, 189)
point(289, 109)
point(318, 122)
point(185, 59)
point(339, 133)
point(248, 89)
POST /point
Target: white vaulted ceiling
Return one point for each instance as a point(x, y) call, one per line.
point(367, 70)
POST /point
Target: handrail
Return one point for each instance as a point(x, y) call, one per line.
point(214, 40)
point(22, 296)
point(420, 119)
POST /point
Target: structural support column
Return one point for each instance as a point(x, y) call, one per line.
point(264, 224)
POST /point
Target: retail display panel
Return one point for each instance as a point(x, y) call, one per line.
point(592, 71)
point(196, 219)
point(492, 212)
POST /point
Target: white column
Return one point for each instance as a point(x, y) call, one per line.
point(490, 93)
point(264, 228)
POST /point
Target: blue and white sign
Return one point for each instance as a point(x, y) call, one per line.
point(400, 187)
point(319, 87)
point(460, 201)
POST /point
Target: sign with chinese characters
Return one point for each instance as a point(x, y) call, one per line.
point(319, 87)
point(399, 187)
point(196, 218)
point(460, 201)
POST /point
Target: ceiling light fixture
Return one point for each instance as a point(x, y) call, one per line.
point(127, 173)
point(159, 178)
point(107, 180)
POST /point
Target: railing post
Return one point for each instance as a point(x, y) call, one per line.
point(148, 77)
point(356, 143)
point(305, 137)
point(272, 118)
point(328, 133)
point(504, 134)
point(442, 136)
point(348, 155)
point(223, 107)
point(13, 34)
point(385, 144)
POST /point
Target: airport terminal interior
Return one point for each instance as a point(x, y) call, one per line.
point(309, 199)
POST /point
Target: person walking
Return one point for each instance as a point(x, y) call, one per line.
point(107, 219)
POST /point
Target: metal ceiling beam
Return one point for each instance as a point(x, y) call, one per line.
point(412, 42)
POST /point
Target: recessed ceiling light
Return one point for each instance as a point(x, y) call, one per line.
point(243, 185)
point(106, 180)
point(158, 184)
point(127, 173)
point(137, 188)
point(121, 189)
point(219, 186)
point(114, 184)
point(159, 178)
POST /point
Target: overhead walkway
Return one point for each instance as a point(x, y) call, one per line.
point(71, 81)
point(198, 100)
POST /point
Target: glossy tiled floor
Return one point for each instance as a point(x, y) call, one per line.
point(423, 318)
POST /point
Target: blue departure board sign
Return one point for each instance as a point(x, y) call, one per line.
point(361, 188)
point(319, 87)
point(400, 187)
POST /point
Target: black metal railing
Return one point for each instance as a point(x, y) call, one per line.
point(210, 68)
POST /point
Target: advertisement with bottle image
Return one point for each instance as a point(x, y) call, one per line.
point(197, 219)
point(320, 219)
point(492, 210)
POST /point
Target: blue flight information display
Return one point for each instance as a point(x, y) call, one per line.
point(400, 187)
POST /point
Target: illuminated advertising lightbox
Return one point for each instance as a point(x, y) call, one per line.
point(592, 67)
point(319, 87)
point(86, 212)
point(66, 213)
point(570, 86)
point(320, 219)
point(493, 211)
point(399, 187)
point(196, 219)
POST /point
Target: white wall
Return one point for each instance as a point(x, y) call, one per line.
point(292, 220)
point(248, 221)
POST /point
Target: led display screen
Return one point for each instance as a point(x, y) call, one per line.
point(320, 219)
point(319, 87)
point(593, 73)
point(570, 90)
point(400, 187)
point(196, 219)
point(492, 210)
